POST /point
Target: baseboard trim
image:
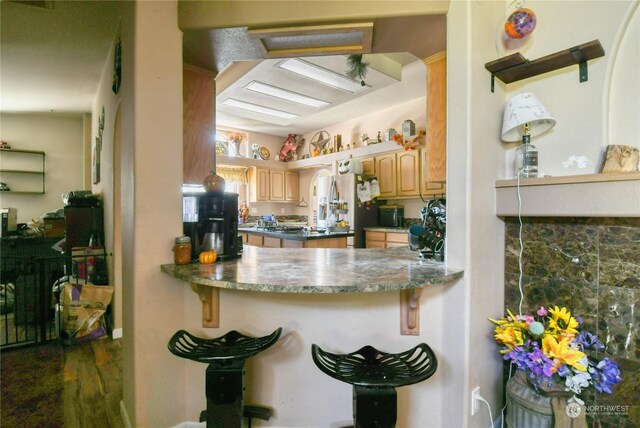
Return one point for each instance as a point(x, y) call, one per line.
point(124, 415)
point(116, 333)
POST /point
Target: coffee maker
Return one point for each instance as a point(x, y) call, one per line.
point(211, 221)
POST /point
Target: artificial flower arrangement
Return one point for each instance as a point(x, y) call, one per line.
point(409, 145)
point(550, 350)
point(236, 137)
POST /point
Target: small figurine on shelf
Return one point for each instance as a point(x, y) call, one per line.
point(379, 137)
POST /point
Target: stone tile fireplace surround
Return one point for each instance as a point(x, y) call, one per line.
point(592, 266)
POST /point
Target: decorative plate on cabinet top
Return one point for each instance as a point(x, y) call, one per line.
point(264, 153)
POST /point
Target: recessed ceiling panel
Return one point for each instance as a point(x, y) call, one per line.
point(313, 40)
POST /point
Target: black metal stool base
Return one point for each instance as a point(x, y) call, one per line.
point(224, 379)
point(249, 412)
point(375, 375)
point(374, 407)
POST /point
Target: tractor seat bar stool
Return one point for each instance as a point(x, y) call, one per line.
point(224, 377)
point(375, 375)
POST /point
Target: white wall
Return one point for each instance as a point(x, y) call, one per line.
point(105, 98)
point(580, 109)
point(60, 136)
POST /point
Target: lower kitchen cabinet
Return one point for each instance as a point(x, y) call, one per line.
point(271, 242)
point(376, 239)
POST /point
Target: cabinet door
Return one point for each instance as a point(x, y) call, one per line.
point(198, 124)
point(292, 186)
point(375, 239)
point(255, 240)
point(272, 242)
point(428, 188)
point(258, 184)
point(277, 185)
point(408, 169)
point(437, 117)
point(397, 240)
point(386, 173)
point(368, 166)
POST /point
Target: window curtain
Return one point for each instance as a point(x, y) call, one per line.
point(232, 175)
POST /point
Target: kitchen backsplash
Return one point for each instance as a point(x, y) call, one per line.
point(591, 266)
point(281, 218)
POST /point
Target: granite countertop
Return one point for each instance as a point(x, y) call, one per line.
point(298, 235)
point(318, 270)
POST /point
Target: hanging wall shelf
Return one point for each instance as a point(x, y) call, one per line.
point(515, 67)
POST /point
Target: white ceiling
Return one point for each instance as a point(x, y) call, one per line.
point(51, 60)
point(394, 85)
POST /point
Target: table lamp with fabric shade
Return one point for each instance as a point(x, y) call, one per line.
point(525, 116)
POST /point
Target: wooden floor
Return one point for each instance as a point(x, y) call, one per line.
point(93, 384)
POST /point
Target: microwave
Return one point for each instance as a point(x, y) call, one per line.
point(391, 215)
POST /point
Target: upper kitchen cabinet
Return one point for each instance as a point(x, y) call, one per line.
point(273, 185)
point(199, 124)
point(436, 171)
point(292, 186)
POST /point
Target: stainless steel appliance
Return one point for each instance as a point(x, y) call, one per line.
point(392, 215)
point(337, 200)
point(211, 220)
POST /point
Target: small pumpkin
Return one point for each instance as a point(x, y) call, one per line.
point(208, 257)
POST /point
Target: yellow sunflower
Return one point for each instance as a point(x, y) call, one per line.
point(561, 321)
point(562, 351)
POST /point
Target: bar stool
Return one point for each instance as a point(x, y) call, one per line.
point(375, 375)
point(224, 376)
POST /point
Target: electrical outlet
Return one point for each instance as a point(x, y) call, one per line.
point(475, 402)
point(282, 210)
point(254, 210)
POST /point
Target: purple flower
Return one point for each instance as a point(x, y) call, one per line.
point(542, 311)
point(532, 360)
point(589, 341)
point(605, 375)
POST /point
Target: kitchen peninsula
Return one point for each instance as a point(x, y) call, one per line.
point(317, 270)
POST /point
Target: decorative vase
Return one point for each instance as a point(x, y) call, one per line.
point(213, 183)
point(235, 148)
point(545, 408)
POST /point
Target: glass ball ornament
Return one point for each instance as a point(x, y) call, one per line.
point(520, 23)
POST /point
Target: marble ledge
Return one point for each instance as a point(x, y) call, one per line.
point(318, 270)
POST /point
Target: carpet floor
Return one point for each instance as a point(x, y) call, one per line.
point(32, 386)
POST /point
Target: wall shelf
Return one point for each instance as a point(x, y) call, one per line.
point(24, 163)
point(609, 195)
point(515, 67)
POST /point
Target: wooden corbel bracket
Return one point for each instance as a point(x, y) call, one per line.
point(410, 311)
point(210, 298)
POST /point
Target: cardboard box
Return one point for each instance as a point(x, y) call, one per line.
point(53, 227)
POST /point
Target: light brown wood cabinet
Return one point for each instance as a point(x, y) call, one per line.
point(273, 185)
point(368, 166)
point(259, 184)
point(379, 239)
point(429, 188)
point(408, 173)
point(436, 171)
point(398, 174)
point(386, 174)
point(276, 185)
point(272, 242)
point(291, 186)
point(198, 89)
